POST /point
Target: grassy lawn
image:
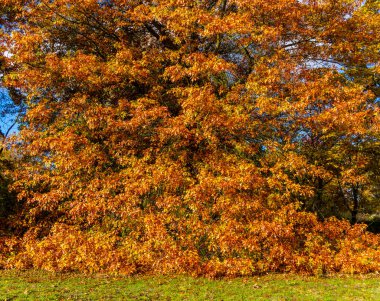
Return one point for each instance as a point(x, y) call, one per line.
point(32, 285)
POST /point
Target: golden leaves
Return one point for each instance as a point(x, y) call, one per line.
point(187, 136)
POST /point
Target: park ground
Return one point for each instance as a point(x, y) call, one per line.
point(38, 285)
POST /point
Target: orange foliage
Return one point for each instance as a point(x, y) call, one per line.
point(174, 136)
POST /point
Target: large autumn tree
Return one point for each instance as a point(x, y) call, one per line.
point(184, 135)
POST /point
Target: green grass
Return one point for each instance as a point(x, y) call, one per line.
point(34, 285)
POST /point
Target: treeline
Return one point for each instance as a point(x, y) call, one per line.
point(210, 137)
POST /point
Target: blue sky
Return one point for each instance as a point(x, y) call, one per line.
point(8, 112)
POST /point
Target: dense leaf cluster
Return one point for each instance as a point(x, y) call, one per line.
point(209, 137)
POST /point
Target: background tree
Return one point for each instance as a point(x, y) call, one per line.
point(11, 110)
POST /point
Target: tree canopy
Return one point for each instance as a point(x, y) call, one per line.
point(214, 137)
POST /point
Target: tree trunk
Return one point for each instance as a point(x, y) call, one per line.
point(355, 210)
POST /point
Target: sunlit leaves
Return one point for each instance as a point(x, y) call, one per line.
point(188, 136)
